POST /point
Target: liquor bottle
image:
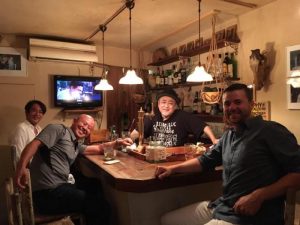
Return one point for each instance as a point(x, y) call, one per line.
point(225, 65)
point(162, 78)
point(124, 121)
point(165, 76)
point(170, 77)
point(179, 73)
point(183, 72)
point(113, 133)
point(234, 67)
point(157, 78)
point(230, 68)
point(196, 103)
point(175, 74)
point(202, 106)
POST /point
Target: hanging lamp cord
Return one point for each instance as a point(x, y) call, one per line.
point(103, 29)
point(130, 37)
point(130, 6)
point(199, 10)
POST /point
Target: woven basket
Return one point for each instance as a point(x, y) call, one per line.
point(211, 97)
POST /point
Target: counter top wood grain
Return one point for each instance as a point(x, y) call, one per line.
point(134, 175)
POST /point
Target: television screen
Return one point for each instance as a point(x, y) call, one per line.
point(76, 92)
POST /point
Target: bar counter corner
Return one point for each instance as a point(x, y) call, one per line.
point(138, 198)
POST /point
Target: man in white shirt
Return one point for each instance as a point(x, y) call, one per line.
point(26, 131)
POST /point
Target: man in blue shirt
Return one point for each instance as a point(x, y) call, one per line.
point(261, 160)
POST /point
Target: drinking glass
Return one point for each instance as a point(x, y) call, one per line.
point(189, 150)
point(109, 152)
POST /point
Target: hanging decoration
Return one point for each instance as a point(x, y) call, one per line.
point(213, 95)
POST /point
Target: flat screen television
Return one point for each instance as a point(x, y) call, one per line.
point(76, 92)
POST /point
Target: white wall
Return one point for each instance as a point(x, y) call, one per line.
point(16, 91)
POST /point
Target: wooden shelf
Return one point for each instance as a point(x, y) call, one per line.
point(188, 84)
point(193, 52)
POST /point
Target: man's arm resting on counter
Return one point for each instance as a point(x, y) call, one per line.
point(98, 149)
point(189, 166)
point(250, 204)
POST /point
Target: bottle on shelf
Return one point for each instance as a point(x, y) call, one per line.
point(162, 79)
point(124, 121)
point(157, 77)
point(183, 71)
point(196, 103)
point(165, 75)
point(175, 74)
point(202, 106)
point(179, 73)
point(113, 133)
point(230, 68)
point(226, 63)
point(170, 77)
point(234, 66)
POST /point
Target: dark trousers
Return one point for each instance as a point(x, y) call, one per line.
point(85, 197)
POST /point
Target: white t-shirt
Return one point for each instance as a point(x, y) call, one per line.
point(22, 135)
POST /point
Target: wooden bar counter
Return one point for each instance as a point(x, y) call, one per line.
point(138, 198)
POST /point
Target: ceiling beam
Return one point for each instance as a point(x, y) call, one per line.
point(241, 3)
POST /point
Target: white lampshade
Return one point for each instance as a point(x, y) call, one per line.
point(130, 78)
point(103, 85)
point(199, 75)
point(294, 79)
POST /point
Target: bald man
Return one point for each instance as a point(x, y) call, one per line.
point(53, 151)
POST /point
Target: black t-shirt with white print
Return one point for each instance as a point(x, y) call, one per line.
point(175, 130)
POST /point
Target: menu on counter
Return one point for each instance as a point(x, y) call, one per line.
point(262, 109)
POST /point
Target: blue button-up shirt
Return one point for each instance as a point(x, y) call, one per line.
point(255, 155)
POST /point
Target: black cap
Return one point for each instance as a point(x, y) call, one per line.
point(170, 93)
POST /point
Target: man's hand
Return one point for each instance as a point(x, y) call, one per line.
point(162, 172)
point(125, 141)
point(248, 205)
point(21, 178)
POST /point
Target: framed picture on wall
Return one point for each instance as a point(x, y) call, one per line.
point(293, 76)
point(13, 62)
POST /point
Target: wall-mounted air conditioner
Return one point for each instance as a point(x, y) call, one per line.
point(58, 50)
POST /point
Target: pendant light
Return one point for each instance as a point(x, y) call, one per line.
point(199, 74)
point(130, 77)
point(103, 84)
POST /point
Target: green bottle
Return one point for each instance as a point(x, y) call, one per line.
point(234, 66)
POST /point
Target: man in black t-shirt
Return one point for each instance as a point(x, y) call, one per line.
point(172, 125)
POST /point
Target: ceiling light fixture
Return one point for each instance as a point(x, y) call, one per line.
point(103, 84)
point(199, 74)
point(130, 77)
